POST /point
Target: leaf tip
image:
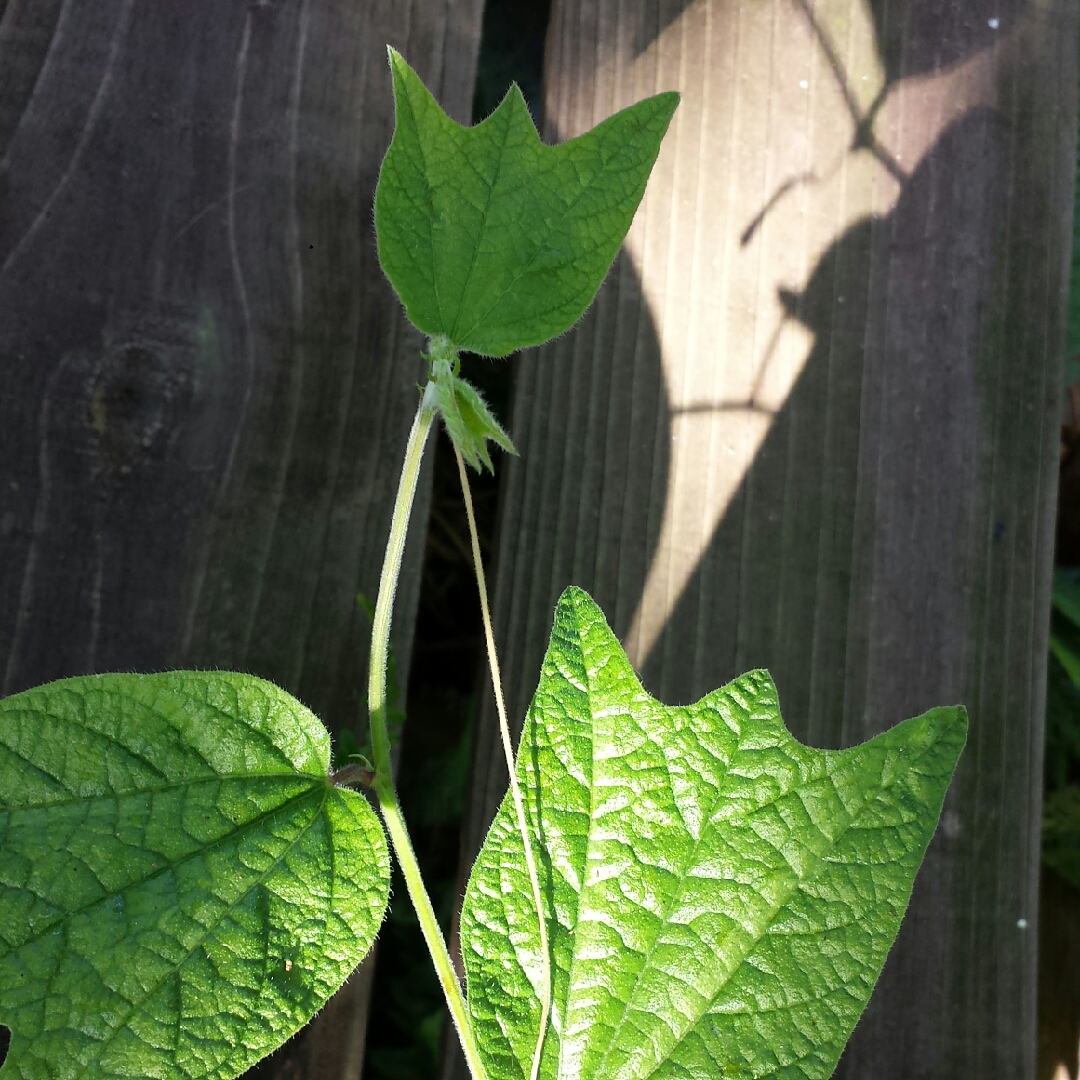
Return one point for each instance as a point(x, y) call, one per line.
point(961, 717)
point(401, 75)
point(513, 100)
point(666, 104)
point(955, 723)
point(947, 724)
point(574, 597)
point(670, 99)
point(398, 68)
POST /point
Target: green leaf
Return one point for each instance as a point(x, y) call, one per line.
point(493, 239)
point(720, 898)
point(181, 887)
point(469, 422)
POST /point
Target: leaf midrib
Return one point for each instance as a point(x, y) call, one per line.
point(6, 808)
point(664, 921)
point(430, 200)
point(551, 229)
point(483, 226)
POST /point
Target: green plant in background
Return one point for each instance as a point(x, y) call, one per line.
point(666, 891)
point(1072, 336)
point(1061, 803)
point(1061, 807)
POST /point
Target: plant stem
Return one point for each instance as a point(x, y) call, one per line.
point(436, 944)
point(515, 788)
point(388, 581)
point(383, 783)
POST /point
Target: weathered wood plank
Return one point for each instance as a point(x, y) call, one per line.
point(205, 381)
point(811, 425)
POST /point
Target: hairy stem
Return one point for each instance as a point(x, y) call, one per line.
point(515, 788)
point(383, 783)
point(388, 582)
point(440, 955)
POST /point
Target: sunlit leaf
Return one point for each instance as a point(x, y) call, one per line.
point(181, 886)
point(721, 898)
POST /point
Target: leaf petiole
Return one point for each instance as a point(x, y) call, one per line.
point(388, 581)
point(383, 781)
point(515, 788)
point(429, 924)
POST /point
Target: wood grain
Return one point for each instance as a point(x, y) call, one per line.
point(205, 381)
point(811, 424)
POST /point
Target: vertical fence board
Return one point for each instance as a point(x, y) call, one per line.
point(811, 424)
point(205, 381)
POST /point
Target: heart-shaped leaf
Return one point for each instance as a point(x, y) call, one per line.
point(181, 886)
point(493, 240)
point(720, 898)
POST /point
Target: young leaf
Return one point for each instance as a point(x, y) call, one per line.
point(493, 239)
point(721, 898)
point(468, 420)
point(181, 887)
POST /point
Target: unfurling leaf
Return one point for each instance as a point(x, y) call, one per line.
point(181, 887)
point(469, 422)
point(720, 898)
point(492, 239)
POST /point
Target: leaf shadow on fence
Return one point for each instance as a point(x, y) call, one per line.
point(850, 560)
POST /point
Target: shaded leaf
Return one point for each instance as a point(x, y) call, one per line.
point(721, 898)
point(181, 887)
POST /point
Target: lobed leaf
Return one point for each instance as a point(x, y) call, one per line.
point(181, 887)
point(721, 898)
point(492, 239)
